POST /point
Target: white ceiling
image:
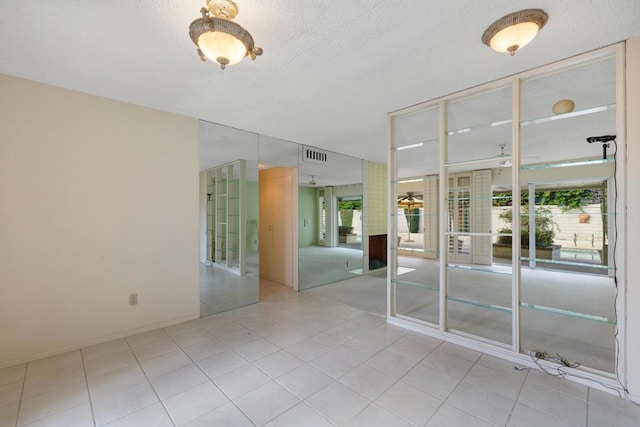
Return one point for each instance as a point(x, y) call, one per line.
point(330, 70)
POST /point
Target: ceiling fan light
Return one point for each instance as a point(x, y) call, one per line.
point(514, 31)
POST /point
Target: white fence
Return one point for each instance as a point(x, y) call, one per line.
point(571, 230)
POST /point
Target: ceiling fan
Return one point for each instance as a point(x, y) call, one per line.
point(506, 158)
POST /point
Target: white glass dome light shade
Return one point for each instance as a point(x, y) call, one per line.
point(515, 30)
point(217, 44)
point(221, 40)
point(515, 36)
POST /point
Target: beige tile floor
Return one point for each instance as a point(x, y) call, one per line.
point(294, 359)
point(577, 338)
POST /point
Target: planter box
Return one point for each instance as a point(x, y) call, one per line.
point(348, 238)
point(542, 252)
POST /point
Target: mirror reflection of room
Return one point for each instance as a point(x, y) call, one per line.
point(229, 218)
point(252, 189)
point(458, 236)
point(330, 206)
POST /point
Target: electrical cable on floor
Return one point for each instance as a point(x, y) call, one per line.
point(563, 363)
point(615, 281)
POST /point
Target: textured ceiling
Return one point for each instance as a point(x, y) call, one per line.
point(330, 70)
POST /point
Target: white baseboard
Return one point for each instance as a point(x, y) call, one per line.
point(591, 379)
point(72, 347)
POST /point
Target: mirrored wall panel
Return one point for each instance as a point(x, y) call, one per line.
point(330, 217)
point(229, 273)
point(329, 204)
point(278, 194)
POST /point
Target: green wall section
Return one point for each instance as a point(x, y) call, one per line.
point(377, 195)
point(307, 210)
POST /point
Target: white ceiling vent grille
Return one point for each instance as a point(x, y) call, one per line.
point(314, 155)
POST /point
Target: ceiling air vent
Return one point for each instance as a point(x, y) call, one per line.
point(314, 155)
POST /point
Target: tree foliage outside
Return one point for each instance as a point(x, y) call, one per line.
point(354, 205)
point(545, 228)
point(346, 208)
point(343, 230)
point(566, 200)
point(413, 219)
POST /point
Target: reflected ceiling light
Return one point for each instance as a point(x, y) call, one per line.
point(406, 147)
point(220, 39)
point(563, 106)
point(516, 30)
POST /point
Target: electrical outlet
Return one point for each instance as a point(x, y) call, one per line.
point(133, 299)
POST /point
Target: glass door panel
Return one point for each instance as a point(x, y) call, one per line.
point(234, 216)
point(234, 233)
point(411, 221)
point(330, 227)
point(221, 216)
point(211, 210)
point(415, 218)
point(568, 215)
point(479, 282)
point(459, 219)
point(557, 200)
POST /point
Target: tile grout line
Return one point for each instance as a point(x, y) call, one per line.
point(364, 363)
point(24, 381)
point(241, 321)
point(210, 378)
point(86, 382)
point(515, 403)
point(488, 391)
point(275, 380)
point(588, 393)
point(307, 363)
point(300, 401)
point(54, 413)
point(150, 384)
point(361, 362)
point(443, 402)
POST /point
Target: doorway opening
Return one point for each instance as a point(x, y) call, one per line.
point(350, 222)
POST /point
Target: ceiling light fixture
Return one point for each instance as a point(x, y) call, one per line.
point(563, 106)
point(516, 30)
point(220, 39)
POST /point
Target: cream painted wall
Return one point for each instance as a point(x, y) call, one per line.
point(633, 224)
point(99, 199)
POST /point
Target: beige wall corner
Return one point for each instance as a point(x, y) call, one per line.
point(99, 200)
